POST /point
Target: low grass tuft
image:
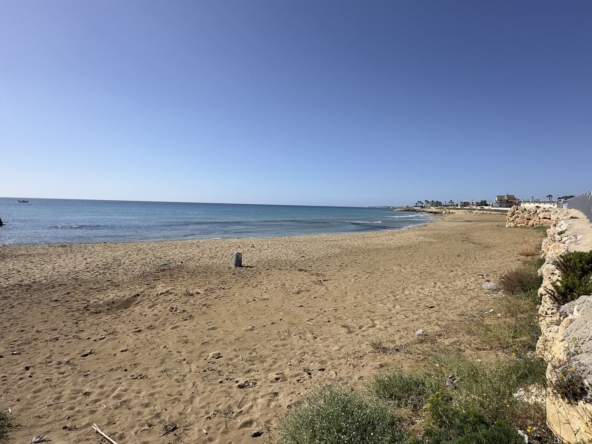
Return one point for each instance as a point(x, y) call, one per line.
point(5, 425)
point(570, 385)
point(451, 425)
point(488, 388)
point(403, 390)
point(379, 346)
point(516, 327)
point(334, 415)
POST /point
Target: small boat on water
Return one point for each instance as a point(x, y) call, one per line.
point(23, 201)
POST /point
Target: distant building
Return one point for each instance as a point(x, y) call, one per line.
point(505, 201)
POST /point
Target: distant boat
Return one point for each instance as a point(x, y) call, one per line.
point(23, 201)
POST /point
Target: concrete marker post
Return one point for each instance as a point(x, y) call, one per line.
point(238, 259)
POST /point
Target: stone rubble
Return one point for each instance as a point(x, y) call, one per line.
point(532, 217)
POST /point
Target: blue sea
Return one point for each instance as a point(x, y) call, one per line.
point(56, 221)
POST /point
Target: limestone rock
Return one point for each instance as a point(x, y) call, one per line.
point(565, 340)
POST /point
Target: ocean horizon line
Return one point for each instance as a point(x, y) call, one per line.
point(192, 202)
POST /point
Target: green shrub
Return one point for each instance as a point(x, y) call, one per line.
point(575, 277)
point(409, 390)
point(5, 424)
point(570, 385)
point(333, 415)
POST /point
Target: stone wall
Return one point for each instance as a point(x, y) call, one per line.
point(566, 331)
point(534, 216)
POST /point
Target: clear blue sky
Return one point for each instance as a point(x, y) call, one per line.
point(295, 102)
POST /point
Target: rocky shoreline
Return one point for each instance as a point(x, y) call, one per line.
point(565, 342)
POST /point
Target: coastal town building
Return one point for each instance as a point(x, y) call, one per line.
point(505, 201)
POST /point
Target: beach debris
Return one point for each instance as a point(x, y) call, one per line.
point(246, 384)
point(40, 438)
point(15, 352)
point(168, 428)
point(9, 411)
point(489, 286)
point(452, 379)
point(215, 355)
point(238, 260)
point(88, 353)
point(256, 433)
point(96, 429)
point(420, 332)
point(205, 431)
point(137, 330)
point(524, 435)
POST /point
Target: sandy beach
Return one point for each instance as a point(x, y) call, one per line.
point(134, 336)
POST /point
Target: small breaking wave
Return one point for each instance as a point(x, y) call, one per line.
point(410, 216)
point(74, 227)
point(364, 222)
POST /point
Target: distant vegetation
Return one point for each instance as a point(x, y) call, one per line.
point(450, 203)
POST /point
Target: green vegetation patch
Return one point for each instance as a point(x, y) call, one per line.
point(453, 426)
point(575, 277)
point(5, 425)
point(334, 415)
point(570, 385)
point(403, 390)
point(488, 388)
point(512, 324)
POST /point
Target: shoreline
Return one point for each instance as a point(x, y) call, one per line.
point(430, 219)
point(131, 335)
